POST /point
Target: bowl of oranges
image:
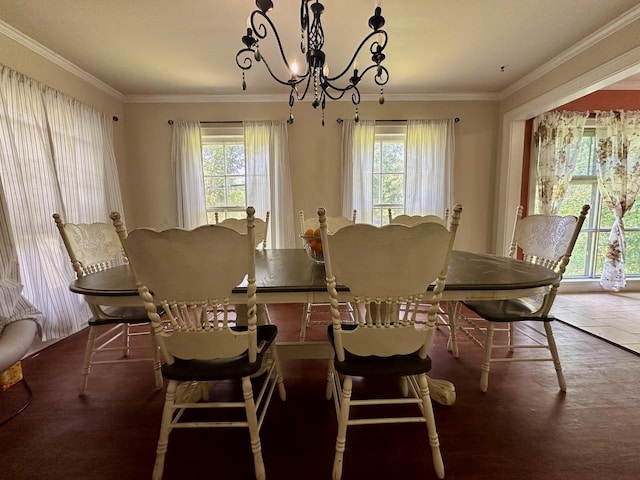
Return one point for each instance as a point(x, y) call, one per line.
point(313, 245)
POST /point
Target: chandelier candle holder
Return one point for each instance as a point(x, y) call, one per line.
point(316, 78)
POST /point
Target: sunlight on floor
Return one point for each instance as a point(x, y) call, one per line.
point(612, 316)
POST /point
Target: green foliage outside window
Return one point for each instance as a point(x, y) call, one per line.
point(388, 177)
point(223, 166)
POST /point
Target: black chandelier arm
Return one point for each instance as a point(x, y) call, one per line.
point(366, 39)
point(298, 80)
point(294, 86)
point(247, 61)
point(335, 92)
point(381, 77)
point(260, 30)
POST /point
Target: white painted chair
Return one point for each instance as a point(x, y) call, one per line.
point(318, 313)
point(445, 313)
point(386, 341)
point(546, 240)
point(190, 282)
point(93, 248)
point(261, 232)
point(240, 225)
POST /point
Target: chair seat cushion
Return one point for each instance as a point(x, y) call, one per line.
point(131, 315)
point(512, 310)
point(222, 368)
point(374, 366)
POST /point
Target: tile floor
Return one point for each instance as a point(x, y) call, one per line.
point(615, 317)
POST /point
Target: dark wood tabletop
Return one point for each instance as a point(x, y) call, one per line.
point(291, 271)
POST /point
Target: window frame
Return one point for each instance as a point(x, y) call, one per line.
point(388, 134)
point(227, 135)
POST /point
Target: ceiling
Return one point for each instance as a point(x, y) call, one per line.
point(188, 47)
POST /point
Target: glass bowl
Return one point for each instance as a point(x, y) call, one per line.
point(313, 247)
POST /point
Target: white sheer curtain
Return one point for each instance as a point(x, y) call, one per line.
point(618, 154)
point(13, 305)
point(269, 178)
point(358, 140)
point(56, 155)
point(186, 160)
point(556, 145)
point(429, 180)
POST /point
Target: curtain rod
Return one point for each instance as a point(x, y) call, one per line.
point(340, 120)
point(170, 122)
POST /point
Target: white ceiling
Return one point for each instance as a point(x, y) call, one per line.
point(188, 47)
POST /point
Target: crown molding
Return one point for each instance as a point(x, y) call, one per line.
point(613, 71)
point(626, 84)
point(279, 98)
point(53, 57)
point(622, 21)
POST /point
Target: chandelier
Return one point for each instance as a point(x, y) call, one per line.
point(316, 77)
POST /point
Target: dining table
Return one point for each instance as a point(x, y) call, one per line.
point(291, 276)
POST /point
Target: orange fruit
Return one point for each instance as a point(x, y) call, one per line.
point(316, 232)
point(309, 232)
point(316, 246)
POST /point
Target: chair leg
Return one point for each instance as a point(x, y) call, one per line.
point(427, 411)
point(343, 419)
point(165, 429)
point(453, 310)
point(157, 364)
point(404, 386)
point(486, 363)
point(279, 378)
point(330, 378)
point(88, 355)
point(512, 336)
point(556, 358)
point(126, 339)
point(305, 319)
point(252, 420)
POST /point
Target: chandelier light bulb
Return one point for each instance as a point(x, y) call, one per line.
point(295, 69)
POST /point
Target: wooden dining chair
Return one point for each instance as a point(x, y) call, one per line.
point(446, 317)
point(176, 269)
point(93, 248)
point(240, 225)
point(387, 287)
point(261, 232)
point(546, 240)
point(317, 313)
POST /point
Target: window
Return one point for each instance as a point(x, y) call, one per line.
point(589, 253)
point(389, 168)
point(223, 164)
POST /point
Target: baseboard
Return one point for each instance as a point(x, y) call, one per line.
point(569, 285)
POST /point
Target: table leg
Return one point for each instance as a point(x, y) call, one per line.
point(442, 391)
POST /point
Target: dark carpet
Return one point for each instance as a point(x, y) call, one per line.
point(522, 428)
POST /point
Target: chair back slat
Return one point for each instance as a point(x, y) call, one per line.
point(191, 274)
